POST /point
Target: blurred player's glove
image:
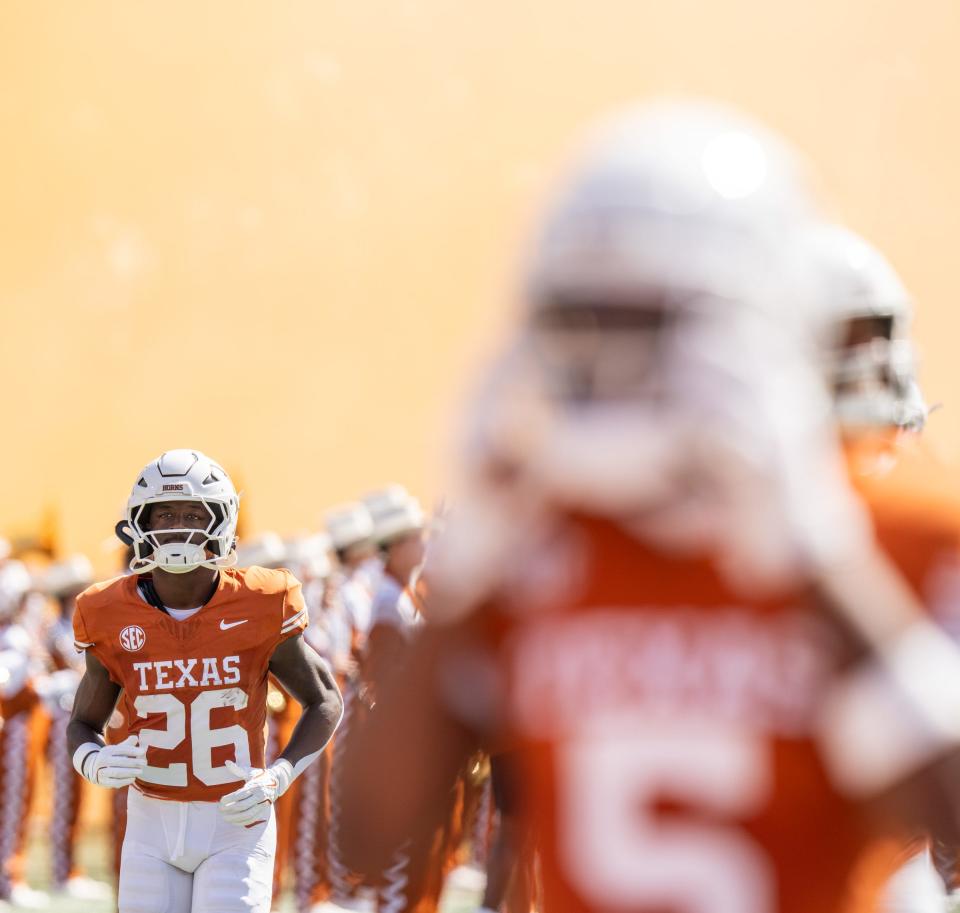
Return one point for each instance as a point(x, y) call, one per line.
point(113, 766)
point(251, 803)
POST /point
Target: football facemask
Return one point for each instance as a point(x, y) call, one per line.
point(177, 550)
point(866, 313)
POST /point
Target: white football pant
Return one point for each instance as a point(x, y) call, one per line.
point(183, 857)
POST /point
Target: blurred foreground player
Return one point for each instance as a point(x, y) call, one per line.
point(190, 640)
point(657, 593)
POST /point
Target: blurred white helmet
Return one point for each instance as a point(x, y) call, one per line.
point(665, 363)
point(670, 196)
point(661, 273)
point(395, 512)
point(866, 313)
point(71, 575)
point(15, 583)
point(182, 475)
point(349, 525)
point(265, 550)
point(675, 223)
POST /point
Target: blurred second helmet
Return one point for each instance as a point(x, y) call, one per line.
point(866, 312)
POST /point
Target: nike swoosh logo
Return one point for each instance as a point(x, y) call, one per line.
point(224, 626)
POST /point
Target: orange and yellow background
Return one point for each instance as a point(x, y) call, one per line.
point(281, 232)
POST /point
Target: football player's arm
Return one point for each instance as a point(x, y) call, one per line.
point(106, 765)
point(94, 702)
point(308, 679)
point(512, 844)
point(406, 757)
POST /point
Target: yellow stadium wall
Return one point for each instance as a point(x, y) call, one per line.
point(279, 231)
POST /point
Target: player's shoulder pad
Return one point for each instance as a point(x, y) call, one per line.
point(266, 581)
point(101, 594)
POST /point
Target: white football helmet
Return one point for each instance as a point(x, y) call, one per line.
point(664, 367)
point(866, 313)
point(672, 226)
point(668, 197)
point(182, 475)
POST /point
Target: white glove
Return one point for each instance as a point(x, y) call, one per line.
point(113, 766)
point(251, 803)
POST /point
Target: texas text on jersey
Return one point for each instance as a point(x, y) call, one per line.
point(194, 691)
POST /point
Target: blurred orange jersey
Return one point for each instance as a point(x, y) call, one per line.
point(666, 731)
point(194, 691)
point(914, 502)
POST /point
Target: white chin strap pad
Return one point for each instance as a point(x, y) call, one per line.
point(179, 557)
point(143, 565)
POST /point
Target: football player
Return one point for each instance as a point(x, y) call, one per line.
point(188, 641)
point(661, 599)
point(914, 501)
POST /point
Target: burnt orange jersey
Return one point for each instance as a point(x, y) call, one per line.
point(194, 691)
point(915, 506)
point(666, 732)
point(914, 502)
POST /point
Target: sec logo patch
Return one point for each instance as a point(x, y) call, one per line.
point(132, 638)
